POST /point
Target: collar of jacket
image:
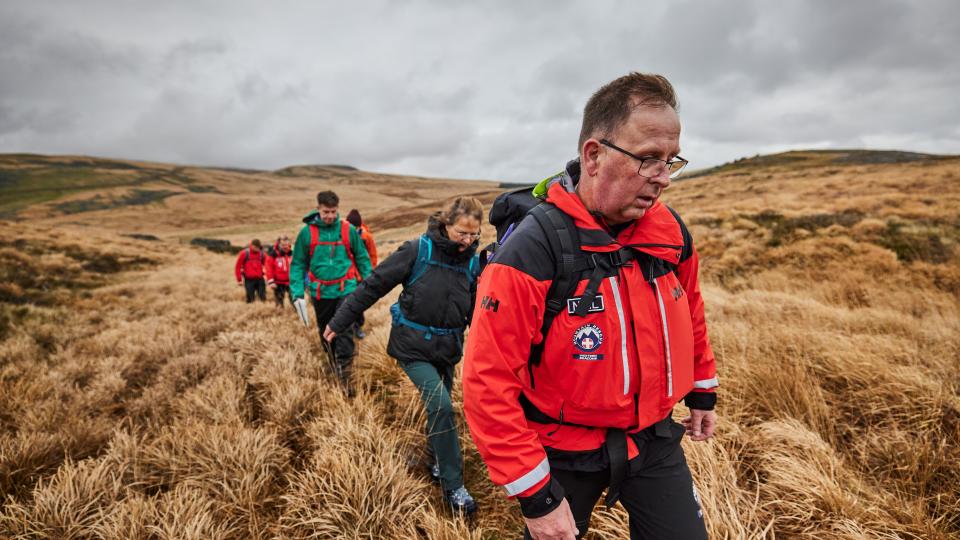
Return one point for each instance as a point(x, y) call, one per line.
point(313, 218)
point(656, 232)
point(445, 245)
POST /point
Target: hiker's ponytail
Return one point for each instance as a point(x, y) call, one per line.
point(459, 207)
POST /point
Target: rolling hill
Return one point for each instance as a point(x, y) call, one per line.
point(141, 398)
point(180, 202)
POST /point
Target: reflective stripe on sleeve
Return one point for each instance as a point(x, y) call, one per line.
point(528, 480)
point(707, 384)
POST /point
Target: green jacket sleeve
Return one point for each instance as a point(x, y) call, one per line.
point(300, 263)
point(360, 255)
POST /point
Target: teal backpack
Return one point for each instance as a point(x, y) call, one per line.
point(420, 266)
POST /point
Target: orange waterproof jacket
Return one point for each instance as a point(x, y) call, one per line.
point(367, 238)
point(641, 348)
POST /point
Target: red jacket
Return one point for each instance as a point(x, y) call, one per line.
point(249, 264)
point(278, 266)
point(645, 341)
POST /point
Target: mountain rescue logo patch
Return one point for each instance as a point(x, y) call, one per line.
point(588, 339)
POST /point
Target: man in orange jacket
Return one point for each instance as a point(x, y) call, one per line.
point(354, 218)
point(558, 418)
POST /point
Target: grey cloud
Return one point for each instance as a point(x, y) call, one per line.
point(479, 90)
point(192, 54)
point(15, 120)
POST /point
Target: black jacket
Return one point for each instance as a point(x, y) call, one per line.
point(440, 298)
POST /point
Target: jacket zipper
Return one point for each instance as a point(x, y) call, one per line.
point(666, 336)
point(623, 335)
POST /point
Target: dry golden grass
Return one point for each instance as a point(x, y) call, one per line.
point(141, 398)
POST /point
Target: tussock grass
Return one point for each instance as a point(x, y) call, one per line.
point(148, 401)
point(357, 481)
point(67, 504)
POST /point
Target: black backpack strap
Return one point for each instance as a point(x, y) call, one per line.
point(565, 245)
point(532, 413)
point(602, 264)
point(561, 234)
point(687, 250)
point(487, 253)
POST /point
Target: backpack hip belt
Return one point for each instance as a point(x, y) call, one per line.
point(428, 331)
point(341, 281)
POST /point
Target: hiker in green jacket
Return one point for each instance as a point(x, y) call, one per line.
point(329, 259)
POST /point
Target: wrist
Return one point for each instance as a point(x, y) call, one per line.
point(543, 501)
point(703, 401)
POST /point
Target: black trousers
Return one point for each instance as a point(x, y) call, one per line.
point(342, 347)
point(255, 286)
point(279, 292)
point(658, 492)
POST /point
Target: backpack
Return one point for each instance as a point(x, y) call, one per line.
point(352, 272)
point(421, 264)
point(425, 260)
point(512, 207)
point(246, 255)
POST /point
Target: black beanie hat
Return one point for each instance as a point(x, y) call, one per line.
point(354, 218)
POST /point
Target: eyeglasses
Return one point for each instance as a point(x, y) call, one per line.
point(652, 167)
point(465, 235)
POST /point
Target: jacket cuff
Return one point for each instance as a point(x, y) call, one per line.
point(336, 327)
point(703, 401)
point(543, 501)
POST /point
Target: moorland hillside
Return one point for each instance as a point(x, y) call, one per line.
point(141, 398)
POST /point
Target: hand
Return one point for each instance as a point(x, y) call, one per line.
point(329, 334)
point(557, 525)
point(240, 283)
point(700, 424)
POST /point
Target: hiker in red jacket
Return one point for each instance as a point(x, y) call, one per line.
point(249, 271)
point(278, 269)
point(568, 397)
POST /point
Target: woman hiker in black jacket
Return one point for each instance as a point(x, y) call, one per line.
point(439, 276)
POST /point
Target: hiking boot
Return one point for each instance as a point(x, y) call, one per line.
point(435, 473)
point(461, 501)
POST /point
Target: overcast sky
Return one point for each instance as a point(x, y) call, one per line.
point(481, 89)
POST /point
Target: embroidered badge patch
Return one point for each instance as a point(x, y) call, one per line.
point(588, 339)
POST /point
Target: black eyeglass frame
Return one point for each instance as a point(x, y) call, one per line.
point(643, 160)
